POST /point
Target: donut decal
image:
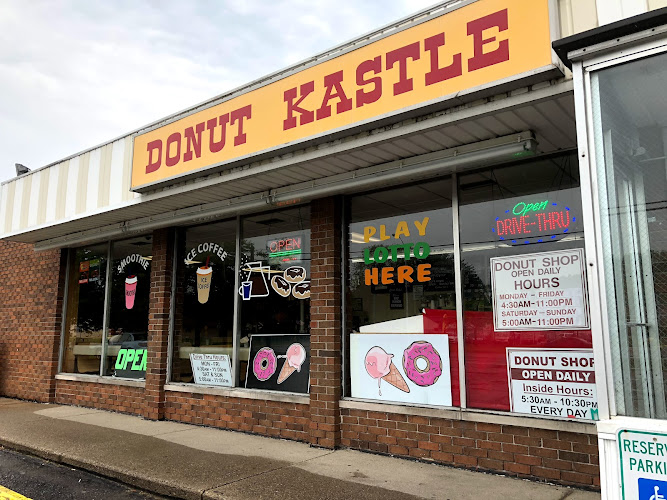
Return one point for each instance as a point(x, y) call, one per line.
point(281, 286)
point(292, 281)
point(422, 363)
point(264, 364)
point(295, 274)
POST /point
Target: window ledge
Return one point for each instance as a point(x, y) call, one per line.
point(239, 392)
point(469, 415)
point(96, 379)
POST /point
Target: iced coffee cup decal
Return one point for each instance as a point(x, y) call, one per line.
point(130, 291)
point(204, 275)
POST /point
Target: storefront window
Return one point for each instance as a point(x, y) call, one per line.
point(84, 315)
point(630, 132)
point(127, 336)
point(401, 300)
point(526, 329)
point(274, 291)
point(204, 305)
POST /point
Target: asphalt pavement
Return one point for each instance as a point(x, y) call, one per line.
point(192, 462)
point(41, 479)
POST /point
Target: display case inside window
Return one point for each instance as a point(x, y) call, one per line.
point(274, 293)
point(204, 304)
point(401, 296)
point(84, 314)
point(127, 334)
point(528, 345)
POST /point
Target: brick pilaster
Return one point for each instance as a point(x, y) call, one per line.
point(158, 323)
point(325, 322)
point(57, 321)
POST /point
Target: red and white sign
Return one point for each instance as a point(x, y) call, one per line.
point(552, 382)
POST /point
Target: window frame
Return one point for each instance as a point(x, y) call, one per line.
point(458, 277)
point(236, 325)
point(592, 170)
point(70, 252)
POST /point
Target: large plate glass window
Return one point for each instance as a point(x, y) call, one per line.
point(204, 304)
point(127, 336)
point(400, 300)
point(525, 318)
point(274, 294)
point(84, 314)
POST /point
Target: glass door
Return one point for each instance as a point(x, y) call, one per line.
point(631, 145)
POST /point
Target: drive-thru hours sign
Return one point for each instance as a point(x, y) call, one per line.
point(643, 458)
point(540, 291)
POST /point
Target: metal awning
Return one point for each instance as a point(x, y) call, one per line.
point(546, 110)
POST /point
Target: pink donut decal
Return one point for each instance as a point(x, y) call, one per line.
point(264, 364)
point(422, 350)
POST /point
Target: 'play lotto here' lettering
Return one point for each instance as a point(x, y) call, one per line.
point(380, 255)
point(136, 358)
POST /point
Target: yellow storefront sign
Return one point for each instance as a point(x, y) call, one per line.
point(472, 47)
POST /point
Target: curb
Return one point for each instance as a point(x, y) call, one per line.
point(137, 481)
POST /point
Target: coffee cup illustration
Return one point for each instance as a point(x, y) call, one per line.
point(130, 291)
point(246, 290)
point(204, 275)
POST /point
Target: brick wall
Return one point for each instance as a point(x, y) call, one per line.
point(269, 418)
point(31, 287)
point(325, 322)
point(158, 322)
point(549, 455)
point(101, 396)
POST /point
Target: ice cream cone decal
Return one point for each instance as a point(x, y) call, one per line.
point(379, 366)
point(294, 358)
point(395, 378)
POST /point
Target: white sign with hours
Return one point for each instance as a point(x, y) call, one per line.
point(552, 382)
point(211, 369)
point(540, 291)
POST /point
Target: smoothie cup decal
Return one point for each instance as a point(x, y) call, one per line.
point(130, 291)
point(204, 275)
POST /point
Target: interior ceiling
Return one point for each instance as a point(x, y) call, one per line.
point(552, 120)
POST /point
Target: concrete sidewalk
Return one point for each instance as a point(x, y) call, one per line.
point(193, 462)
